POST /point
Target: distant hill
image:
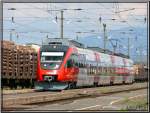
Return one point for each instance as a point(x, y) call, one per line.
point(138, 39)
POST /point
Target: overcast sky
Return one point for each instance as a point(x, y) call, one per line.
point(32, 22)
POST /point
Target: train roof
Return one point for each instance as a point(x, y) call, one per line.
point(70, 42)
point(106, 51)
point(64, 41)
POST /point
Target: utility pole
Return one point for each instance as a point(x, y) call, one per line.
point(120, 48)
point(128, 46)
point(47, 36)
point(105, 37)
point(115, 46)
point(77, 37)
point(139, 55)
point(61, 25)
point(140, 50)
point(10, 35)
point(61, 18)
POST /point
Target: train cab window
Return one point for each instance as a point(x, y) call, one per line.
point(69, 63)
point(74, 57)
point(73, 61)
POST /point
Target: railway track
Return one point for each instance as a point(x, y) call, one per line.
point(23, 91)
point(74, 103)
point(35, 98)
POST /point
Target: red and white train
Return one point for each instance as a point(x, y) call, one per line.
point(63, 65)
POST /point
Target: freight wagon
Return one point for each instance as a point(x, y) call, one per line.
point(18, 65)
point(141, 72)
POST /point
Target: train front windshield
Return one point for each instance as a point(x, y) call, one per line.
point(51, 60)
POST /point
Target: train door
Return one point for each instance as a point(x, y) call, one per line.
point(71, 68)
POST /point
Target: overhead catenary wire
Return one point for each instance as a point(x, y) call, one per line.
point(92, 23)
point(122, 19)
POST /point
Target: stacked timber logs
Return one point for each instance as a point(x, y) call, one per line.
point(18, 64)
point(9, 58)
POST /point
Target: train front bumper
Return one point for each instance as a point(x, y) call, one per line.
point(44, 85)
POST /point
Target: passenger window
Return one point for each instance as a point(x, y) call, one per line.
point(76, 64)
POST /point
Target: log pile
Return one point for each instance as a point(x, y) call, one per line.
point(18, 61)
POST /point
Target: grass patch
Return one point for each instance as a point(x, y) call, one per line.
point(137, 104)
point(104, 90)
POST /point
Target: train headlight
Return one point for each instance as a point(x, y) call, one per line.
point(54, 46)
